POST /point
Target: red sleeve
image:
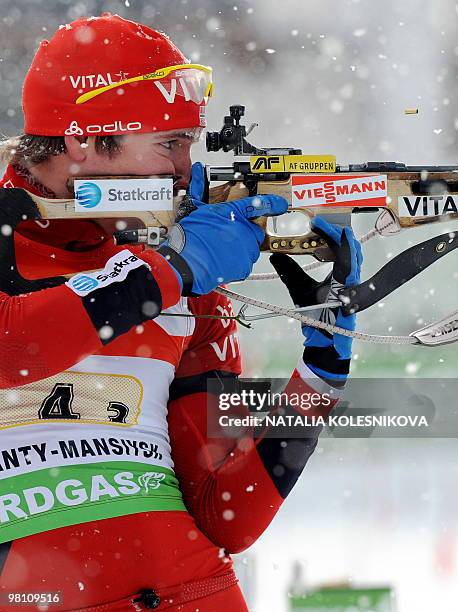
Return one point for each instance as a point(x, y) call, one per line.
point(34, 326)
point(214, 344)
point(164, 276)
point(234, 487)
point(224, 483)
point(32, 329)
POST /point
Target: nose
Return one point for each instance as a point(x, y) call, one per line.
point(181, 159)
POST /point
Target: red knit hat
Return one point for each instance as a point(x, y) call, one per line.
point(103, 75)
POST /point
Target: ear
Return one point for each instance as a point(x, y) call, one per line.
point(76, 147)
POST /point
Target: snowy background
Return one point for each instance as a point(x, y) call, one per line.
point(327, 77)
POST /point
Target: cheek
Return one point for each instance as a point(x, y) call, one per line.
point(145, 162)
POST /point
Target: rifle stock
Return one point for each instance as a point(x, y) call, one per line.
point(422, 194)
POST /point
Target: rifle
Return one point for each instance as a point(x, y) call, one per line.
point(404, 196)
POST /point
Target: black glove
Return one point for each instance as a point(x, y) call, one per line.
point(327, 355)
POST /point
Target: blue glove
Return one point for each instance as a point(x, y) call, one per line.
point(216, 243)
point(327, 355)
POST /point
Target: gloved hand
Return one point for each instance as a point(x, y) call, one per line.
point(216, 243)
point(327, 355)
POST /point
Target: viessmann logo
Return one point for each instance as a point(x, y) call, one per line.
point(343, 190)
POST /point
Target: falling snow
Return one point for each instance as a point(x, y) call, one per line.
point(333, 83)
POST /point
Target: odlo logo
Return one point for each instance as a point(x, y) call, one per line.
point(89, 195)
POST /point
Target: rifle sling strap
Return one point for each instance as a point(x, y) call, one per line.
point(397, 272)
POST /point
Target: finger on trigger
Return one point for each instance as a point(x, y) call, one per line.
point(326, 230)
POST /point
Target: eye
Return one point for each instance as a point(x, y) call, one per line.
point(168, 144)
